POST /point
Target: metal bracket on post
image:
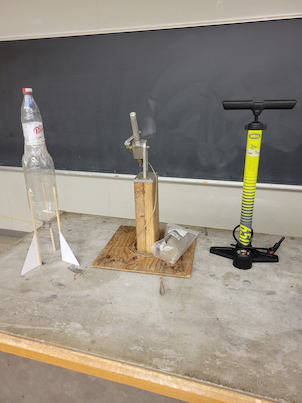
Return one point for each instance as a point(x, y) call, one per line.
point(139, 147)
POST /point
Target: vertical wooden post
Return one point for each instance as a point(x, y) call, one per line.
point(146, 197)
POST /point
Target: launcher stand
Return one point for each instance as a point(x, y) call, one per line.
point(145, 193)
point(242, 253)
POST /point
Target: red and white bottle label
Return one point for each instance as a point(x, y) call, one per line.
point(33, 133)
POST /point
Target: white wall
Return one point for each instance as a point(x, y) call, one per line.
point(212, 204)
point(40, 18)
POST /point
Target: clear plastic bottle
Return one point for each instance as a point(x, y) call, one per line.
point(38, 166)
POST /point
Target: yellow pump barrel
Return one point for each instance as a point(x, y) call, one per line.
point(249, 185)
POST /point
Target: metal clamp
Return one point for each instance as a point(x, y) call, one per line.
point(139, 147)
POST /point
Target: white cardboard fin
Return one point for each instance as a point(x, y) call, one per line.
point(66, 252)
point(32, 260)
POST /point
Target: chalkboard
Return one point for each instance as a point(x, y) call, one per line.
point(175, 80)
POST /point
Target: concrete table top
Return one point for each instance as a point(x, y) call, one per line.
point(223, 326)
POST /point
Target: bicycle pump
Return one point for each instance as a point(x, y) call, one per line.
point(242, 253)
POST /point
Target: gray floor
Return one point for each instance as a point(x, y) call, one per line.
point(28, 381)
point(241, 329)
point(51, 383)
point(7, 241)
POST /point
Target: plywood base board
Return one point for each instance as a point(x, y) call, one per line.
point(117, 255)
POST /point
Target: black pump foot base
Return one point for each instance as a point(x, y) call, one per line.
point(243, 258)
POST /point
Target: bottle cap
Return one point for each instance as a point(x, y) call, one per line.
point(27, 90)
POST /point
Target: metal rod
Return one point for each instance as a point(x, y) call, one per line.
point(145, 160)
point(134, 126)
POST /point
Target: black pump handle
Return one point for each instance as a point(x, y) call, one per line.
point(257, 107)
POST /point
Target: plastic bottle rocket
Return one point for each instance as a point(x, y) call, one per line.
point(40, 180)
point(38, 166)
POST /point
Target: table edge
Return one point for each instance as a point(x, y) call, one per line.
point(124, 373)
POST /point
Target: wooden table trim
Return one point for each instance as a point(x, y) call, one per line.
point(138, 377)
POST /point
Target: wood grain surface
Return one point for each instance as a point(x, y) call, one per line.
point(146, 213)
point(117, 255)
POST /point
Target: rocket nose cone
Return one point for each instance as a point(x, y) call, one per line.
point(27, 91)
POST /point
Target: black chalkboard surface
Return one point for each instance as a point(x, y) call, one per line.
point(175, 80)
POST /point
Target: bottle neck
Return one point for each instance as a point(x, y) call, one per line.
point(34, 149)
point(28, 101)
